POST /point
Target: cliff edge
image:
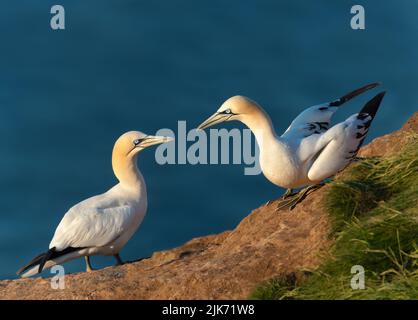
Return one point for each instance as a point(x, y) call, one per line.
point(266, 243)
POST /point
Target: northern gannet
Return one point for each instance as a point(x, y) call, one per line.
point(103, 224)
point(309, 151)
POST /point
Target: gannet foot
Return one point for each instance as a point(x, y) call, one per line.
point(119, 261)
point(286, 198)
point(88, 264)
point(288, 194)
point(303, 194)
point(286, 203)
point(298, 197)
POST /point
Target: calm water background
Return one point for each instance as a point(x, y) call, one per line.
point(122, 65)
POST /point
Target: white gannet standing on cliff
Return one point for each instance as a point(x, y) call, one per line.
point(103, 224)
point(309, 151)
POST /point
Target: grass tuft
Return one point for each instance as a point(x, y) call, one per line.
point(374, 209)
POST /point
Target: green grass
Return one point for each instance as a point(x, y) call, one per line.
point(374, 210)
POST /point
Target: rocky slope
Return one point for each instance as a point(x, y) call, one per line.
point(229, 265)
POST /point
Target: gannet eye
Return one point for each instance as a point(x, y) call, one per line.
point(137, 141)
point(227, 111)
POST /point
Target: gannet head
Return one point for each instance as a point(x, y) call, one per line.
point(235, 108)
point(131, 143)
point(125, 154)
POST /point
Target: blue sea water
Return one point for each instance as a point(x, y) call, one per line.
point(65, 96)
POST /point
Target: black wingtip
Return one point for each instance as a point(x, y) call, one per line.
point(45, 258)
point(372, 106)
point(35, 261)
point(370, 86)
point(354, 94)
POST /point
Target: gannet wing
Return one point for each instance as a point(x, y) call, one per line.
point(83, 227)
point(95, 222)
point(333, 150)
point(316, 119)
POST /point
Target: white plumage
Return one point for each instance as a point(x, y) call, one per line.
point(100, 221)
point(309, 151)
point(103, 224)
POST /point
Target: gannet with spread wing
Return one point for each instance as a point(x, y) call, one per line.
point(309, 151)
point(103, 224)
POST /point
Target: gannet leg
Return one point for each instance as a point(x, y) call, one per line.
point(88, 265)
point(305, 193)
point(119, 261)
point(289, 193)
point(299, 197)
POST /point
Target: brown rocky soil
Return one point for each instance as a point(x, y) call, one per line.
point(229, 265)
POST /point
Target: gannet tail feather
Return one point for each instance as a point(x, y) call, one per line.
point(47, 260)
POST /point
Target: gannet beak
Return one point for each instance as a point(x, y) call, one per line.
point(353, 94)
point(214, 119)
point(152, 140)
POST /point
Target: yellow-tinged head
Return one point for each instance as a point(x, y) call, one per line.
point(125, 153)
point(239, 108)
